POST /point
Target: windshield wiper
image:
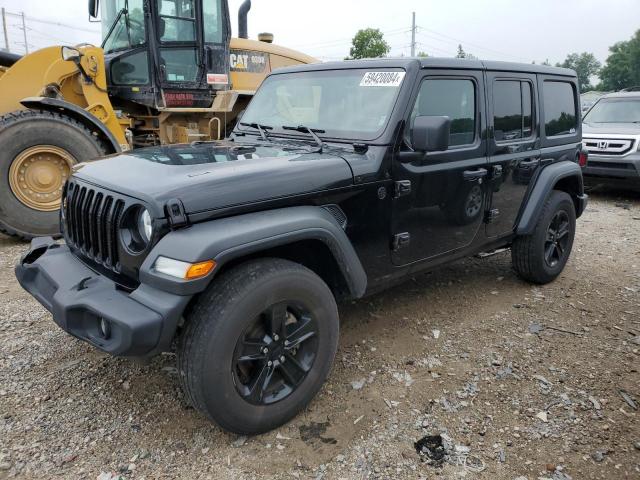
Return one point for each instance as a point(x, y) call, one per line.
point(311, 131)
point(113, 26)
point(260, 128)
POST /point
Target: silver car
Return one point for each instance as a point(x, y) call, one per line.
point(611, 134)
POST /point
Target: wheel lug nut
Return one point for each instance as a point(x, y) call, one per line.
point(269, 363)
point(265, 350)
point(276, 337)
point(282, 358)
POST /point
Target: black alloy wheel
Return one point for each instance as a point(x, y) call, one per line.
point(275, 353)
point(555, 246)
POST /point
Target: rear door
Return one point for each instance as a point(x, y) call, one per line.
point(514, 146)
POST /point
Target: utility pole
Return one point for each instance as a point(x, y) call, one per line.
point(4, 29)
point(413, 35)
point(24, 31)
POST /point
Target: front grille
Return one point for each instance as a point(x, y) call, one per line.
point(92, 219)
point(609, 146)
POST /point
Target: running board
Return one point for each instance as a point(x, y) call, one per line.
point(492, 252)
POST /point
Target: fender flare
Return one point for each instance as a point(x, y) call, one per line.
point(546, 181)
point(231, 238)
point(75, 112)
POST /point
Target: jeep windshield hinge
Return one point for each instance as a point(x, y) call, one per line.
point(402, 188)
point(176, 214)
point(400, 240)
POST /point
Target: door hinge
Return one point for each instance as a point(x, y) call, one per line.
point(491, 215)
point(402, 188)
point(400, 240)
point(176, 213)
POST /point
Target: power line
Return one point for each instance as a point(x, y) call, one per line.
point(460, 41)
point(49, 22)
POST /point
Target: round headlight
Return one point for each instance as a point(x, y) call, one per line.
point(145, 229)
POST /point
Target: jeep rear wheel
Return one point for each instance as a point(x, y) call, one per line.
point(258, 345)
point(541, 256)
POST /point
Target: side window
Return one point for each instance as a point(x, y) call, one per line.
point(560, 117)
point(180, 64)
point(512, 110)
point(453, 98)
point(177, 21)
point(212, 17)
point(131, 70)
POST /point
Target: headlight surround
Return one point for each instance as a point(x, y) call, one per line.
point(136, 229)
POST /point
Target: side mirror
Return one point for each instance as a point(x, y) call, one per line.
point(94, 8)
point(431, 133)
point(71, 54)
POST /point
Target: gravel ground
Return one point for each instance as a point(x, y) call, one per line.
point(518, 382)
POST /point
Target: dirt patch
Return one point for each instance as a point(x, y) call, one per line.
point(518, 381)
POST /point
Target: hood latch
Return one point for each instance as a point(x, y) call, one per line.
point(176, 214)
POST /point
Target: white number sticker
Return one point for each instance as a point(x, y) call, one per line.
point(382, 79)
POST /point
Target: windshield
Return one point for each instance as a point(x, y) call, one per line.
point(128, 31)
point(354, 104)
point(621, 110)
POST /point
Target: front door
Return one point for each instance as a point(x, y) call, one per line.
point(441, 196)
point(192, 39)
point(514, 146)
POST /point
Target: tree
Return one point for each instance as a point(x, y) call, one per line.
point(622, 68)
point(422, 54)
point(368, 43)
point(586, 66)
point(462, 54)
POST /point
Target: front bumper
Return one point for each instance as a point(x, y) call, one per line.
point(626, 168)
point(141, 323)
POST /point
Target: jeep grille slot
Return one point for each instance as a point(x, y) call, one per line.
point(92, 219)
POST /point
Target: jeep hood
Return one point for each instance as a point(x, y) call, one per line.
point(611, 128)
point(215, 175)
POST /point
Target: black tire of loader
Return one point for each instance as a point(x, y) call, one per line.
point(21, 130)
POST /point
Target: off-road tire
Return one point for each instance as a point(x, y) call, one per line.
point(528, 251)
point(27, 128)
point(216, 322)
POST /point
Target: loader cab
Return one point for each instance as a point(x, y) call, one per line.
point(165, 53)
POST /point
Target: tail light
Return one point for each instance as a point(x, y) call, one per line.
point(583, 156)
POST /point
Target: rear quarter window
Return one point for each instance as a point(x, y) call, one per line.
point(560, 108)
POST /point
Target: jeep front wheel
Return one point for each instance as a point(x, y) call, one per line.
point(541, 256)
point(258, 345)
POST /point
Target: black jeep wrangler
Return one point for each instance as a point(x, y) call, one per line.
point(339, 180)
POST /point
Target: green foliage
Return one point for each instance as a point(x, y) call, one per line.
point(462, 54)
point(368, 43)
point(422, 54)
point(585, 64)
point(622, 68)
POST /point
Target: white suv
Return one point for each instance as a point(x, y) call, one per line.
point(611, 134)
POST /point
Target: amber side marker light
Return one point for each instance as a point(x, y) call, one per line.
point(201, 269)
point(183, 270)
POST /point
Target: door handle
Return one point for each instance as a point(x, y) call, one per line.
point(474, 175)
point(530, 163)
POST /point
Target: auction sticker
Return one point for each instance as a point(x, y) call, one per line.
point(382, 79)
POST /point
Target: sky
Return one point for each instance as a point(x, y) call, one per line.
point(510, 30)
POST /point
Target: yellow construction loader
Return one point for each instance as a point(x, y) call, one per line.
point(168, 72)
